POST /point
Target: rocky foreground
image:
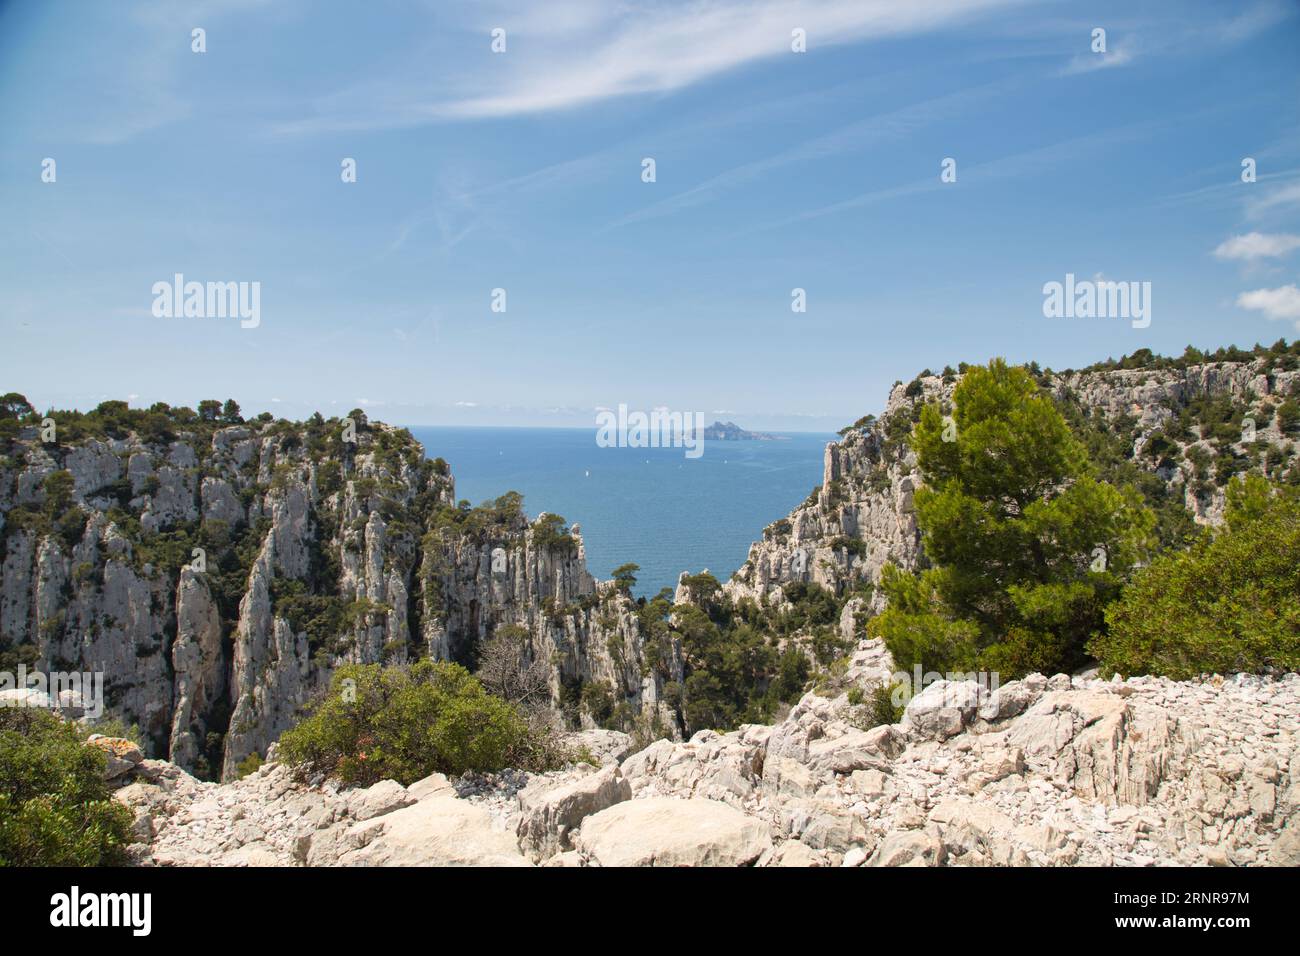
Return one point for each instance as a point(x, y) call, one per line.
point(1054, 771)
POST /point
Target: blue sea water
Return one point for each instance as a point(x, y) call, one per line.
point(652, 506)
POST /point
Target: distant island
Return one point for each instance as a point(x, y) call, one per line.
point(730, 431)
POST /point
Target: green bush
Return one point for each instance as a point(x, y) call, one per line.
point(55, 809)
point(249, 765)
point(625, 576)
point(550, 533)
point(1231, 603)
point(405, 723)
point(883, 708)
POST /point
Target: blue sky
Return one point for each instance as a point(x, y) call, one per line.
point(522, 170)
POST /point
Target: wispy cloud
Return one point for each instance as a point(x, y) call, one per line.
point(142, 89)
point(854, 137)
point(1015, 164)
point(1271, 191)
point(1192, 33)
point(1257, 245)
point(1091, 62)
point(655, 50)
point(1286, 195)
point(595, 52)
point(1256, 19)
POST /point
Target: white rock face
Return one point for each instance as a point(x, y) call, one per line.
point(606, 746)
point(1074, 772)
point(667, 832)
point(549, 815)
point(25, 697)
point(206, 659)
point(437, 831)
point(198, 664)
point(383, 797)
point(943, 709)
point(862, 516)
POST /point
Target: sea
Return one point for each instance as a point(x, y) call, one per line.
point(650, 506)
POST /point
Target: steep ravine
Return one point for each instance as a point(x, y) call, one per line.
point(315, 550)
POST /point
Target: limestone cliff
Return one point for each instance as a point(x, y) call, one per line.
point(217, 573)
point(1190, 427)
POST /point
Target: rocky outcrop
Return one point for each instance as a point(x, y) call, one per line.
point(198, 668)
point(1041, 772)
point(218, 575)
point(862, 515)
point(583, 631)
point(660, 831)
point(548, 814)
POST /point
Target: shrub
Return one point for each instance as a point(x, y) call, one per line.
point(625, 576)
point(507, 668)
point(883, 708)
point(854, 546)
point(777, 529)
point(249, 765)
point(1288, 416)
point(550, 533)
point(792, 672)
point(55, 809)
point(1231, 603)
point(405, 723)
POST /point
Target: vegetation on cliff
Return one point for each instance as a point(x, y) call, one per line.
point(1027, 546)
point(741, 661)
point(1052, 534)
point(1230, 603)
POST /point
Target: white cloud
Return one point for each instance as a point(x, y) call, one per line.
point(1257, 245)
point(654, 50)
point(586, 52)
point(1281, 304)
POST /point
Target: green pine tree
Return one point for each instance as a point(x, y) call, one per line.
point(1026, 546)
